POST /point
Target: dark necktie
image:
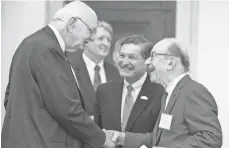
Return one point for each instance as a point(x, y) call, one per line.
point(128, 104)
point(163, 102)
point(97, 78)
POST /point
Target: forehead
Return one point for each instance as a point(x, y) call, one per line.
point(90, 19)
point(100, 31)
point(130, 49)
point(160, 47)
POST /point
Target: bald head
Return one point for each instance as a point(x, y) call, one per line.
point(175, 48)
point(77, 9)
point(76, 23)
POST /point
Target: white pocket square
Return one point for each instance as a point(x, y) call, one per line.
point(144, 97)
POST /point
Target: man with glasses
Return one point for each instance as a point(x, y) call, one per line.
point(44, 106)
point(133, 103)
point(90, 66)
point(188, 116)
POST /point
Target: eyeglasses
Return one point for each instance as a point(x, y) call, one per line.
point(92, 30)
point(155, 54)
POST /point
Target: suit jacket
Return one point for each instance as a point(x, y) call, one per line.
point(43, 106)
point(86, 87)
point(194, 123)
point(144, 112)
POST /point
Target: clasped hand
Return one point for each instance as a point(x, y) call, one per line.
point(113, 138)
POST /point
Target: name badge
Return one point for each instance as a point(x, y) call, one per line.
point(165, 121)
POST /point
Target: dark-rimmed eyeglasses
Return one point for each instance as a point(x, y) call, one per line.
point(155, 54)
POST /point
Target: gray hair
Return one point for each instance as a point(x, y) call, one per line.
point(105, 25)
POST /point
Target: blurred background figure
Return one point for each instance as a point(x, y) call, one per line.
point(91, 68)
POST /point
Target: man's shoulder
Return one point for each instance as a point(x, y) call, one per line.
point(194, 85)
point(110, 85)
point(111, 71)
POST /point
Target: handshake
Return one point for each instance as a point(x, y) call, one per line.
point(113, 138)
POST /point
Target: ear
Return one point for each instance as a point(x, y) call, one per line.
point(172, 63)
point(72, 24)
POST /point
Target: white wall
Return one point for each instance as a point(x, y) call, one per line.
point(19, 19)
point(204, 25)
point(213, 55)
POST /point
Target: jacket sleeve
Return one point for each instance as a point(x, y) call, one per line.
point(7, 93)
point(200, 114)
point(136, 140)
point(62, 99)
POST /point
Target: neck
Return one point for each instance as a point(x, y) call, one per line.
point(95, 59)
point(132, 80)
point(171, 77)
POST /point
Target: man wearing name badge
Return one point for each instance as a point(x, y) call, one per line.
point(44, 106)
point(133, 103)
point(188, 117)
point(90, 66)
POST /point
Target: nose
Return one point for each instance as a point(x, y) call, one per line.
point(105, 42)
point(148, 61)
point(124, 61)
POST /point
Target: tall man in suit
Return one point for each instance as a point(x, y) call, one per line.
point(188, 117)
point(133, 103)
point(44, 106)
point(91, 68)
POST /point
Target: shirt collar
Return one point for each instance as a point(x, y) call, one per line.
point(171, 86)
point(59, 37)
point(90, 63)
point(138, 83)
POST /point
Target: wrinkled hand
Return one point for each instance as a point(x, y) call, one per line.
point(118, 137)
point(109, 143)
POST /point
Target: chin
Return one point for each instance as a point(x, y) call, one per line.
point(125, 74)
point(103, 54)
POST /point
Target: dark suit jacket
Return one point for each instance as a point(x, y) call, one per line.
point(194, 123)
point(86, 87)
point(44, 105)
point(144, 112)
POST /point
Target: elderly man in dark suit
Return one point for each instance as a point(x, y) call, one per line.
point(90, 66)
point(188, 116)
point(44, 106)
point(133, 103)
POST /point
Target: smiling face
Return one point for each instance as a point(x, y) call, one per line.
point(130, 62)
point(101, 44)
point(158, 64)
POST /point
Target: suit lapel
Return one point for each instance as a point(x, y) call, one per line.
point(108, 70)
point(157, 129)
point(117, 103)
point(140, 104)
point(175, 93)
point(83, 77)
point(56, 48)
point(171, 104)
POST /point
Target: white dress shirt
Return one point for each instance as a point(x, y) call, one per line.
point(90, 68)
point(62, 45)
point(137, 87)
point(171, 86)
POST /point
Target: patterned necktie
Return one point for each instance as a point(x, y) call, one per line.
point(128, 104)
point(97, 78)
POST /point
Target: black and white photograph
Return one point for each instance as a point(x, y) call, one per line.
point(114, 74)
